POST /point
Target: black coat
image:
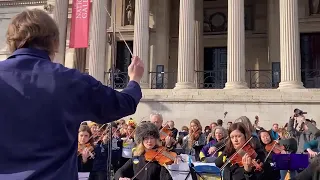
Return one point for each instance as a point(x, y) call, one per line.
point(236, 172)
point(153, 171)
point(312, 172)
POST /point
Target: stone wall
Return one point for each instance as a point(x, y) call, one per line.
point(209, 105)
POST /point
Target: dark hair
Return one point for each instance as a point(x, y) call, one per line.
point(242, 128)
point(261, 131)
point(219, 122)
point(33, 29)
point(207, 128)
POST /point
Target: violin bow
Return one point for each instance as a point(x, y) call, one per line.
point(234, 155)
point(223, 145)
point(114, 24)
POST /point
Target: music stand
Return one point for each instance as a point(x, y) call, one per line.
point(290, 162)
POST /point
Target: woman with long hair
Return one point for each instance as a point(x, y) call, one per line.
point(147, 138)
point(195, 140)
point(245, 168)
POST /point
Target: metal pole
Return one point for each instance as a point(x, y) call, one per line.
point(112, 77)
point(113, 44)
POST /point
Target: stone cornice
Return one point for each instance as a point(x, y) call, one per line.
point(22, 2)
point(309, 96)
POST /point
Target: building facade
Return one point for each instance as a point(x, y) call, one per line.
point(203, 57)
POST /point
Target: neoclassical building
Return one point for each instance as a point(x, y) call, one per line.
point(203, 57)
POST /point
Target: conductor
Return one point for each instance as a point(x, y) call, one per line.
point(43, 103)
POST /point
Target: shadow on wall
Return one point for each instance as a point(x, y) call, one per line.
point(158, 107)
point(155, 105)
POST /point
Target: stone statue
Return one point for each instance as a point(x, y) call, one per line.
point(130, 13)
point(314, 6)
point(48, 8)
point(206, 22)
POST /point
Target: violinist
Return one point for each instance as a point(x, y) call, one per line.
point(195, 140)
point(219, 135)
point(147, 138)
point(85, 149)
point(243, 165)
point(128, 142)
point(169, 142)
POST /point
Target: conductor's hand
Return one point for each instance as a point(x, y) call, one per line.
point(136, 69)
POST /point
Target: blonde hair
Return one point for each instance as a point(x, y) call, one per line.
point(191, 133)
point(33, 29)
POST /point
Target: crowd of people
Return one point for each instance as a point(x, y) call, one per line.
point(240, 148)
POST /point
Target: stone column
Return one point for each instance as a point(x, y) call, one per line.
point(186, 45)
point(198, 42)
point(141, 37)
point(289, 46)
point(79, 62)
point(236, 46)
point(98, 40)
point(60, 15)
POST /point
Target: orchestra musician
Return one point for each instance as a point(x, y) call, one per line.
point(167, 137)
point(240, 160)
point(141, 166)
point(218, 134)
point(41, 93)
point(195, 140)
point(85, 149)
point(271, 147)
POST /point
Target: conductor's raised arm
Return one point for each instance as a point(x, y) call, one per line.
point(104, 104)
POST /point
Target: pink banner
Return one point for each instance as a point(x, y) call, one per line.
point(79, 32)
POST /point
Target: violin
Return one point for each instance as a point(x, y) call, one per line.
point(164, 132)
point(274, 147)
point(81, 147)
point(161, 155)
point(237, 159)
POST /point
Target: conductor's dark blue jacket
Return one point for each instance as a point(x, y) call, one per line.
point(41, 107)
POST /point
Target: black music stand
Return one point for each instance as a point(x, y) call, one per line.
point(290, 162)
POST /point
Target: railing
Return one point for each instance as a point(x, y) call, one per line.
point(256, 79)
point(211, 79)
point(263, 79)
point(163, 80)
point(310, 78)
point(121, 79)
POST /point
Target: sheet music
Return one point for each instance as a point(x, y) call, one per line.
point(179, 171)
point(83, 175)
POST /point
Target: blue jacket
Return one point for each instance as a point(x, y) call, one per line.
point(42, 106)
